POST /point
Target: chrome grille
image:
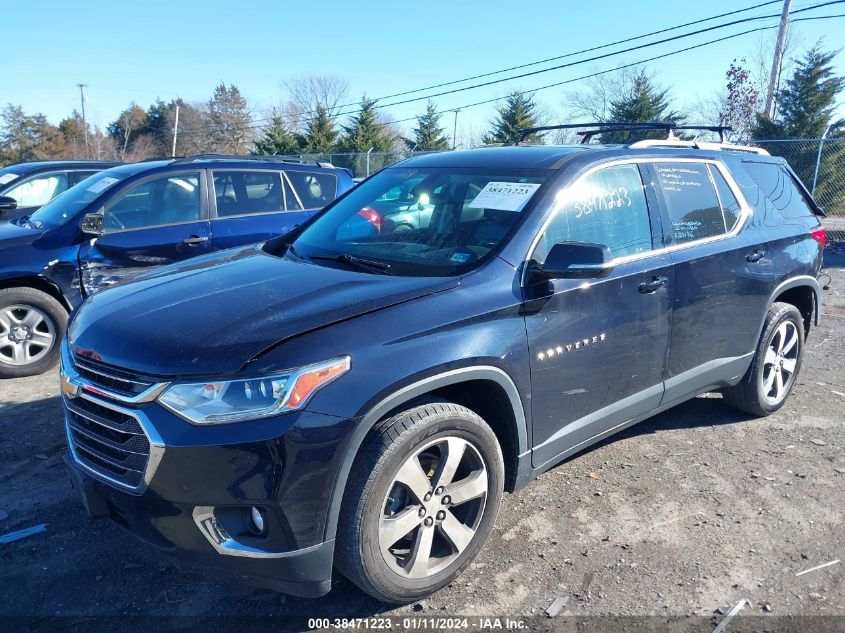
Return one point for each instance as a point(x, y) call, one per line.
point(111, 378)
point(109, 441)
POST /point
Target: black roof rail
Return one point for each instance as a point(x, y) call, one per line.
point(588, 130)
point(270, 158)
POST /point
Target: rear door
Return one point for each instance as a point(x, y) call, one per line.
point(598, 346)
point(160, 220)
point(251, 206)
point(723, 274)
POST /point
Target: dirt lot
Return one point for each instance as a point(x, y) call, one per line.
point(682, 515)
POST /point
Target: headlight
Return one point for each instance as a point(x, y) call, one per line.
point(219, 402)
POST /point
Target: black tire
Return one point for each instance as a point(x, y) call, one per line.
point(750, 394)
point(56, 315)
point(392, 444)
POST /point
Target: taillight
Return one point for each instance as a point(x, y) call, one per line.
point(820, 235)
point(371, 216)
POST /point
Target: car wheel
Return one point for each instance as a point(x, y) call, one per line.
point(32, 324)
point(421, 500)
point(776, 363)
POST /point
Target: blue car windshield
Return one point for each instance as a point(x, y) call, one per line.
point(434, 221)
point(68, 204)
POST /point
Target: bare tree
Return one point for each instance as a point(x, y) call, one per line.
point(307, 92)
point(593, 99)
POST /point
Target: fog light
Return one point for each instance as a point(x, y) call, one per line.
point(257, 520)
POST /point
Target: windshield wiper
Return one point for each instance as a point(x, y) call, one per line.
point(357, 262)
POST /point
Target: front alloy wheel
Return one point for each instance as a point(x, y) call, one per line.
point(434, 507)
point(32, 324)
point(420, 501)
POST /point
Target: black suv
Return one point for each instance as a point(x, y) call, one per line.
point(27, 186)
point(359, 397)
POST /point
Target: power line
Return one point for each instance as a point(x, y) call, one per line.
point(569, 64)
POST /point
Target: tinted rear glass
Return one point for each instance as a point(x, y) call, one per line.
point(690, 200)
point(780, 189)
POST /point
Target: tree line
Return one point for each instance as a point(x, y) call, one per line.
point(312, 120)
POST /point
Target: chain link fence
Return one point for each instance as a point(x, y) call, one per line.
point(820, 163)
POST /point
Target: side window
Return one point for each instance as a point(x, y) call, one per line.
point(315, 190)
point(727, 199)
point(241, 192)
point(779, 187)
point(39, 190)
point(291, 201)
point(75, 177)
point(606, 207)
point(167, 200)
point(691, 201)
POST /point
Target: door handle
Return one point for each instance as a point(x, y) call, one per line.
point(755, 257)
point(195, 239)
point(656, 283)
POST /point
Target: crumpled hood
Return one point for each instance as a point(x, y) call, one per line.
point(213, 314)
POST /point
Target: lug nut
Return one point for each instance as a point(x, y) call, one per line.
point(429, 521)
point(427, 497)
point(446, 500)
point(439, 490)
point(421, 513)
point(441, 515)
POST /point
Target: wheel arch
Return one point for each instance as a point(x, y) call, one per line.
point(462, 386)
point(804, 292)
point(38, 283)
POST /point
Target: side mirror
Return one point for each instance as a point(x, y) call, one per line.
point(8, 204)
point(575, 260)
point(92, 224)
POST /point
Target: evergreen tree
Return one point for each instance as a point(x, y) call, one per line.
point(807, 103)
point(428, 135)
point(805, 108)
point(517, 112)
point(278, 139)
point(643, 103)
point(228, 120)
point(365, 131)
point(320, 133)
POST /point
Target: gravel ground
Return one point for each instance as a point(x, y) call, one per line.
point(682, 515)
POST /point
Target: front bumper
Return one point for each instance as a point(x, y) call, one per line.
point(201, 483)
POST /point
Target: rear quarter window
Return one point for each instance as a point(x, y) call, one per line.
point(778, 186)
point(315, 190)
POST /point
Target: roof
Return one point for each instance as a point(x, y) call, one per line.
point(510, 156)
point(20, 168)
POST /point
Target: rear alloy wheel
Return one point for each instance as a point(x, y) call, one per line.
point(31, 325)
point(776, 364)
point(421, 501)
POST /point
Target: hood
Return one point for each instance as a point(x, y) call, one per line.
point(12, 234)
point(213, 314)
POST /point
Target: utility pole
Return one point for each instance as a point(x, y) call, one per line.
point(455, 131)
point(84, 124)
point(175, 132)
point(777, 61)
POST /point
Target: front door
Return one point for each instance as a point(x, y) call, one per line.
point(598, 347)
point(159, 221)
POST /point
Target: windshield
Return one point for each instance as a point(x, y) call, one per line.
point(421, 222)
point(68, 204)
point(7, 175)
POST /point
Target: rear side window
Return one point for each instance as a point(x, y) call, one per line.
point(780, 189)
point(690, 200)
point(244, 192)
point(315, 190)
point(606, 207)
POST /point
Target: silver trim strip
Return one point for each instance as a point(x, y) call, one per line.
point(718, 147)
point(745, 209)
point(224, 544)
